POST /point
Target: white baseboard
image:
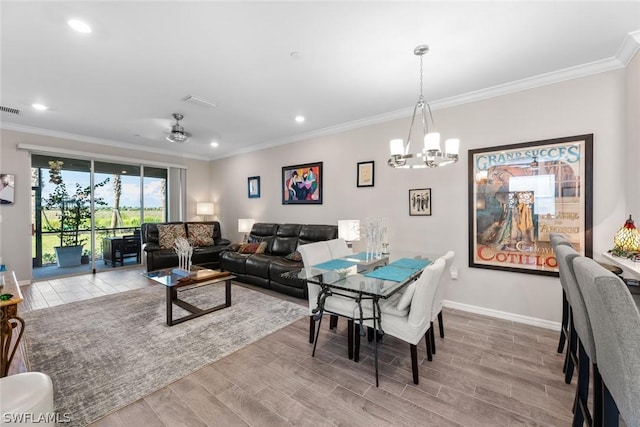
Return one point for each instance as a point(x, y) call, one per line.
point(534, 321)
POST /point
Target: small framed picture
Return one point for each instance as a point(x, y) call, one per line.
point(7, 187)
point(253, 187)
point(366, 174)
point(420, 202)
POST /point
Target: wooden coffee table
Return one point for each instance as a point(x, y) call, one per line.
point(174, 282)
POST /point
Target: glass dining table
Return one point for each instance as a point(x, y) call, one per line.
point(348, 278)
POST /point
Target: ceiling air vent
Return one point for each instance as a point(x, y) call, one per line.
point(199, 101)
point(9, 110)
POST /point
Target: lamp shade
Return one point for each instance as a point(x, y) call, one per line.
point(396, 146)
point(627, 238)
point(349, 229)
point(204, 208)
point(452, 146)
point(245, 225)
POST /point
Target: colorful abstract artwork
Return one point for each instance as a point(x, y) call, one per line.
point(302, 184)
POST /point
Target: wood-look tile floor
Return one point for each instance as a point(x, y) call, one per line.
point(486, 372)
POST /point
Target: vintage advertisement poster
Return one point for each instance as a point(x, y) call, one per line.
point(520, 193)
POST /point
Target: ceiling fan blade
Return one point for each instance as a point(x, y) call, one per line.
point(150, 128)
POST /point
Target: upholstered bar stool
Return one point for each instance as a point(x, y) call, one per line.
point(581, 327)
point(565, 329)
point(27, 397)
point(615, 321)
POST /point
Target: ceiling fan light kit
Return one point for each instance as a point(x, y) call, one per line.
point(177, 133)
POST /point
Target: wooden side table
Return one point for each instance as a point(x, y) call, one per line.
point(10, 323)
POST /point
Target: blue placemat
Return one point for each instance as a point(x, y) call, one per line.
point(412, 263)
point(335, 264)
point(362, 256)
point(389, 272)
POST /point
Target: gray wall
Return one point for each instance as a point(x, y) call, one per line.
point(594, 104)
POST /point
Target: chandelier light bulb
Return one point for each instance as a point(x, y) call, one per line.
point(452, 146)
point(396, 147)
point(432, 141)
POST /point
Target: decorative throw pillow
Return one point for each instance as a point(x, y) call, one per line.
point(294, 256)
point(407, 296)
point(168, 233)
point(200, 234)
point(253, 248)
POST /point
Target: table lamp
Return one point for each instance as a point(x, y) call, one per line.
point(349, 230)
point(627, 238)
point(204, 209)
point(244, 226)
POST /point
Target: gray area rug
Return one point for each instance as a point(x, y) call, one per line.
point(105, 353)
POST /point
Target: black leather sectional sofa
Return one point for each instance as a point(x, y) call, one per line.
point(266, 269)
point(205, 255)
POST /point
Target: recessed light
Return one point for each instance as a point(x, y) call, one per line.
point(214, 144)
point(79, 26)
point(299, 119)
point(39, 107)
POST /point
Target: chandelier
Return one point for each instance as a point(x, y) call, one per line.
point(431, 154)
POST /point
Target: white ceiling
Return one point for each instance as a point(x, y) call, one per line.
point(354, 63)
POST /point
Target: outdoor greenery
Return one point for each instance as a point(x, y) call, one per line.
point(73, 210)
point(130, 218)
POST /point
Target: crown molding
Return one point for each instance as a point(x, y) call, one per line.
point(90, 140)
point(625, 53)
point(628, 48)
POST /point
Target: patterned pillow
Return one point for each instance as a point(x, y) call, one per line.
point(168, 233)
point(200, 234)
point(294, 256)
point(253, 248)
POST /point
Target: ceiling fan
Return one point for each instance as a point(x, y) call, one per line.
point(177, 133)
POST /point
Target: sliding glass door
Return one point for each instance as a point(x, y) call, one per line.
point(98, 214)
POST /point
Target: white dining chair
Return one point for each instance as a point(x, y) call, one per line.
point(436, 312)
point(412, 321)
point(314, 254)
point(338, 248)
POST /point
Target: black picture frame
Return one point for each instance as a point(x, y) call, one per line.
point(420, 202)
point(302, 184)
point(253, 187)
point(521, 193)
point(365, 174)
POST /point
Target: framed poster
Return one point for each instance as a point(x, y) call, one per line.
point(365, 174)
point(521, 193)
point(420, 202)
point(7, 187)
point(302, 184)
point(253, 187)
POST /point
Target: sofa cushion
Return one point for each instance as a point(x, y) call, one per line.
point(258, 265)
point(168, 233)
point(310, 233)
point(201, 234)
